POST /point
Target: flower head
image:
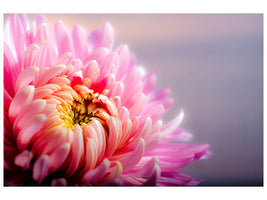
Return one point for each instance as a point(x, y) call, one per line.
point(78, 113)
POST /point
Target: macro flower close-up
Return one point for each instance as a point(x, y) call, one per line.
point(80, 112)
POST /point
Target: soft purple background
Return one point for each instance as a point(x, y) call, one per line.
point(214, 64)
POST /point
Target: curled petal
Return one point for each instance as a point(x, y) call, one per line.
point(22, 98)
point(30, 129)
point(50, 73)
point(115, 131)
point(23, 159)
point(135, 156)
point(58, 157)
point(91, 155)
point(117, 89)
point(30, 56)
point(114, 174)
point(96, 174)
point(33, 108)
point(91, 70)
point(154, 176)
point(152, 141)
point(41, 168)
point(101, 140)
point(146, 170)
point(173, 125)
point(76, 152)
point(25, 77)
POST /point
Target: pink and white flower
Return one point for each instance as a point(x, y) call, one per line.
point(77, 112)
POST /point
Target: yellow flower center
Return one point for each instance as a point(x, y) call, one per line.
point(81, 110)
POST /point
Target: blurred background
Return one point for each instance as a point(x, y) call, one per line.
point(214, 65)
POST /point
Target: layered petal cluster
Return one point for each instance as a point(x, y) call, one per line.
point(77, 112)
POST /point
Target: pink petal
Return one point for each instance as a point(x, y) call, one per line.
point(116, 90)
point(33, 108)
point(157, 125)
point(106, 83)
point(115, 131)
point(103, 37)
point(64, 59)
point(114, 174)
point(150, 81)
point(101, 138)
point(152, 141)
point(109, 65)
point(77, 63)
point(96, 174)
point(61, 81)
point(25, 77)
point(156, 113)
point(63, 38)
point(111, 108)
point(117, 102)
point(91, 71)
point(39, 19)
point(23, 159)
point(178, 135)
point(79, 37)
point(29, 38)
point(29, 130)
point(21, 99)
point(41, 140)
point(30, 56)
point(11, 70)
point(91, 155)
point(57, 140)
point(47, 56)
point(7, 101)
point(146, 129)
point(48, 49)
point(50, 73)
point(124, 60)
point(76, 152)
point(173, 125)
point(134, 157)
point(132, 80)
point(127, 128)
point(137, 106)
point(171, 163)
point(15, 29)
point(41, 168)
point(161, 94)
point(124, 114)
point(41, 93)
point(154, 176)
point(58, 157)
point(177, 179)
point(174, 149)
point(144, 170)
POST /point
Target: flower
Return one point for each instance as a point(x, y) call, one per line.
point(78, 113)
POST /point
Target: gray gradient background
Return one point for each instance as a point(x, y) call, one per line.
point(214, 65)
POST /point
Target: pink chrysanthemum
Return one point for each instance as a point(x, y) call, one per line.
point(78, 113)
